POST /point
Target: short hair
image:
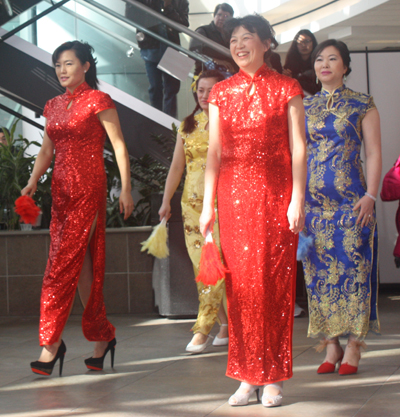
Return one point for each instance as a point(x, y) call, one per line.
point(254, 24)
point(340, 46)
point(84, 52)
point(225, 7)
point(4, 130)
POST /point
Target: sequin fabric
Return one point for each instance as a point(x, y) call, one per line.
point(79, 194)
point(254, 192)
point(196, 147)
point(341, 269)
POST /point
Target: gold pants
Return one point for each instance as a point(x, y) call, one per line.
point(210, 299)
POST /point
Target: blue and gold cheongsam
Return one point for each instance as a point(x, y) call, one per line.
point(341, 270)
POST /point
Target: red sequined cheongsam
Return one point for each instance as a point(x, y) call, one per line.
point(79, 195)
point(254, 192)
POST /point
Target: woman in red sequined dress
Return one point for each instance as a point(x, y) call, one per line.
point(76, 128)
point(257, 165)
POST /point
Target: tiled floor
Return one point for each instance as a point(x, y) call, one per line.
point(153, 375)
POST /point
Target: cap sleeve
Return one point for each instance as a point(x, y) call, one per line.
point(293, 89)
point(180, 130)
point(214, 97)
point(46, 110)
point(103, 102)
point(371, 104)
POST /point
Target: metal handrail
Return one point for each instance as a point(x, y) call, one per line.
point(20, 116)
point(127, 22)
point(110, 33)
point(180, 28)
point(32, 20)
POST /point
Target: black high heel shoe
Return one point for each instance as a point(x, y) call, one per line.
point(96, 364)
point(46, 368)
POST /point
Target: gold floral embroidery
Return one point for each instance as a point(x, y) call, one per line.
point(196, 147)
point(338, 274)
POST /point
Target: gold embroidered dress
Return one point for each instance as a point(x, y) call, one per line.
point(341, 269)
point(196, 148)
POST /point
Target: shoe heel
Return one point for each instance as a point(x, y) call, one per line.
point(61, 363)
point(258, 394)
point(112, 351)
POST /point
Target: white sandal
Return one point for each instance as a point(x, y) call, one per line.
point(272, 400)
point(221, 341)
point(243, 399)
point(198, 348)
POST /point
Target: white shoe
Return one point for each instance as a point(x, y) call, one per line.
point(221, 341)
point(272, 400)
point(243, 399)
point(298, 311)
point(198, 348)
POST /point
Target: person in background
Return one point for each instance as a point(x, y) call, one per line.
point(191, 153)
point(215, 32)
point(341, 268)
point(274, 62)
point(3, 138)
point(298, 61)
point(163, 88)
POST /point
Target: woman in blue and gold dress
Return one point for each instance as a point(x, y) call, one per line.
point(341, 269)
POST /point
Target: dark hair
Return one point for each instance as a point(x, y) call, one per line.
point(293, 55)
point(84, 52)
point(254, 24)
point(225, 7)
point(189, 123)
point(340, 46)
point(4, 130)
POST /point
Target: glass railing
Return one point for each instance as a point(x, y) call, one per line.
point(115, 38)
point(11, 112)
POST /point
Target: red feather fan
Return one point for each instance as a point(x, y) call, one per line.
point(27, 209)
point(211, 267)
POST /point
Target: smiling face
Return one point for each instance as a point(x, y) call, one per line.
point(329, 68)
point(203, 91)
point(304, 46)
point(248, 50)
point(70, 71)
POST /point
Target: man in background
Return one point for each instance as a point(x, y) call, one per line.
point(163, 87)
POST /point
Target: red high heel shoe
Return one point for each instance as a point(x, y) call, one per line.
point(328, 367)
point(345, 368)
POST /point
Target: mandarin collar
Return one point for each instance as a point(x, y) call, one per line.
point(78, 90)
point(332, 96)
point(203, 117)
point(262, 71)
point(337, 90)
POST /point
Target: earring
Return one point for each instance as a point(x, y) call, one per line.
point(316, 80)
point(84, 71)
point(344, 78)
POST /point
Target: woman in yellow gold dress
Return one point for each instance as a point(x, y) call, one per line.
point(191, 152)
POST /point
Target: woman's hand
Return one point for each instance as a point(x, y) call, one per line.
point(126, 203)
point(366, 206)
point(296, 216)
point(165, 211)
point(207, 220)
point(287, 72)
point(30, 188)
